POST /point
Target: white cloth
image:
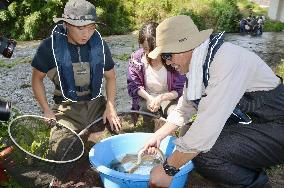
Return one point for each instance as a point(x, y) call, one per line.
point(155, 80)
point(195, 73)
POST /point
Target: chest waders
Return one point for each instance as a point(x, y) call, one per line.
point(64, 66)
point(242, 151)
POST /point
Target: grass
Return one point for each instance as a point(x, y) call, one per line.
point(122, 57)
point(4, 127)
point(10, 184)
point(17, 61)
point(246, 8)
point(4, 135)
point(23, 86)
point(270, 25)
point(280, 69)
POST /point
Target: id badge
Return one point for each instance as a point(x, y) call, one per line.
point(81, 71)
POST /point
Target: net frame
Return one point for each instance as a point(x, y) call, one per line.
point(40, 158)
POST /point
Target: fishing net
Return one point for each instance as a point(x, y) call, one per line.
point(46, 139)
point(45, 150)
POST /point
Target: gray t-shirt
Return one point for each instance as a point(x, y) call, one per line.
point(44, 61)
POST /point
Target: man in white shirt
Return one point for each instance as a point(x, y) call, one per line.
point(239, 103)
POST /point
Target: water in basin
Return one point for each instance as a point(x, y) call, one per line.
point(128, 164)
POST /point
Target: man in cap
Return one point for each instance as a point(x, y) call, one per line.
point(239, 102)
point(76, 58)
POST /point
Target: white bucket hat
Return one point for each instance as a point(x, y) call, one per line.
point(78, 13)
point(178, 34)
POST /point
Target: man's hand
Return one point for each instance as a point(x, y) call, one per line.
point(111, 115)
point(49, 114)
point(151, 145)
point(158, 178)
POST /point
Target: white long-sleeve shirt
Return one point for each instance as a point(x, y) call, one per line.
point(233, 71)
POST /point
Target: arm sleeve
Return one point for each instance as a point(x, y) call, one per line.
point(43, 59)
point(228, 82)
point(183, 111)
point(179, 83)
point(134, 76)
point(109, 63)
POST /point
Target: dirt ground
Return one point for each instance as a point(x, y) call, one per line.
point(81, 174)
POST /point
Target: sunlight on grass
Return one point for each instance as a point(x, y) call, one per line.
point(280, 69)
point(247, 7)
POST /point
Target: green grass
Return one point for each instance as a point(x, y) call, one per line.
point(4, 127)
point(6, 65)
point(122, 57)
point(246, 8)
point(10, 184)
point(270, 25)
point(280, 69)
point(15, 62)
point(4, 135)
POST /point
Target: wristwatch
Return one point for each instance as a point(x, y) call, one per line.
point(170, 170)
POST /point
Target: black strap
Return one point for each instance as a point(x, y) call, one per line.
point(280, 78)
point(216, 42)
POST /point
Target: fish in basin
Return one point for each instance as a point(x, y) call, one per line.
point(137, 164)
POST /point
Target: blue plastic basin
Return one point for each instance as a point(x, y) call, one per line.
point(104, 152)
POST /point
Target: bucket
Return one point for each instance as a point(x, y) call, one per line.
point(103, 153)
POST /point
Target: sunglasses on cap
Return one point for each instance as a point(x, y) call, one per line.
point(166, 56)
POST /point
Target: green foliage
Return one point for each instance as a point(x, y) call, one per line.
point(198, 19)
point(17, 61)
point(122, 57)
point(33, 19)
point(30, 19)
point(146, 10)
point(31, 26)
point(227, 15)
point(280, 69)
point(10, 184)
point(248, 8)
point(115, 15)
point(34, 140)
point(4, 128)
point(270, 25)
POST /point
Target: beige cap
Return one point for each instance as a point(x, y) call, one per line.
point(178, 34)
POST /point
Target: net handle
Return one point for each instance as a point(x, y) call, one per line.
point(77, 134)
point(120, 113)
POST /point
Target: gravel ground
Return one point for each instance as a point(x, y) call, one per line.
point(15, 82)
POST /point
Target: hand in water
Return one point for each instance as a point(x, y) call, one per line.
point(157, 152)
point(151, 145)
